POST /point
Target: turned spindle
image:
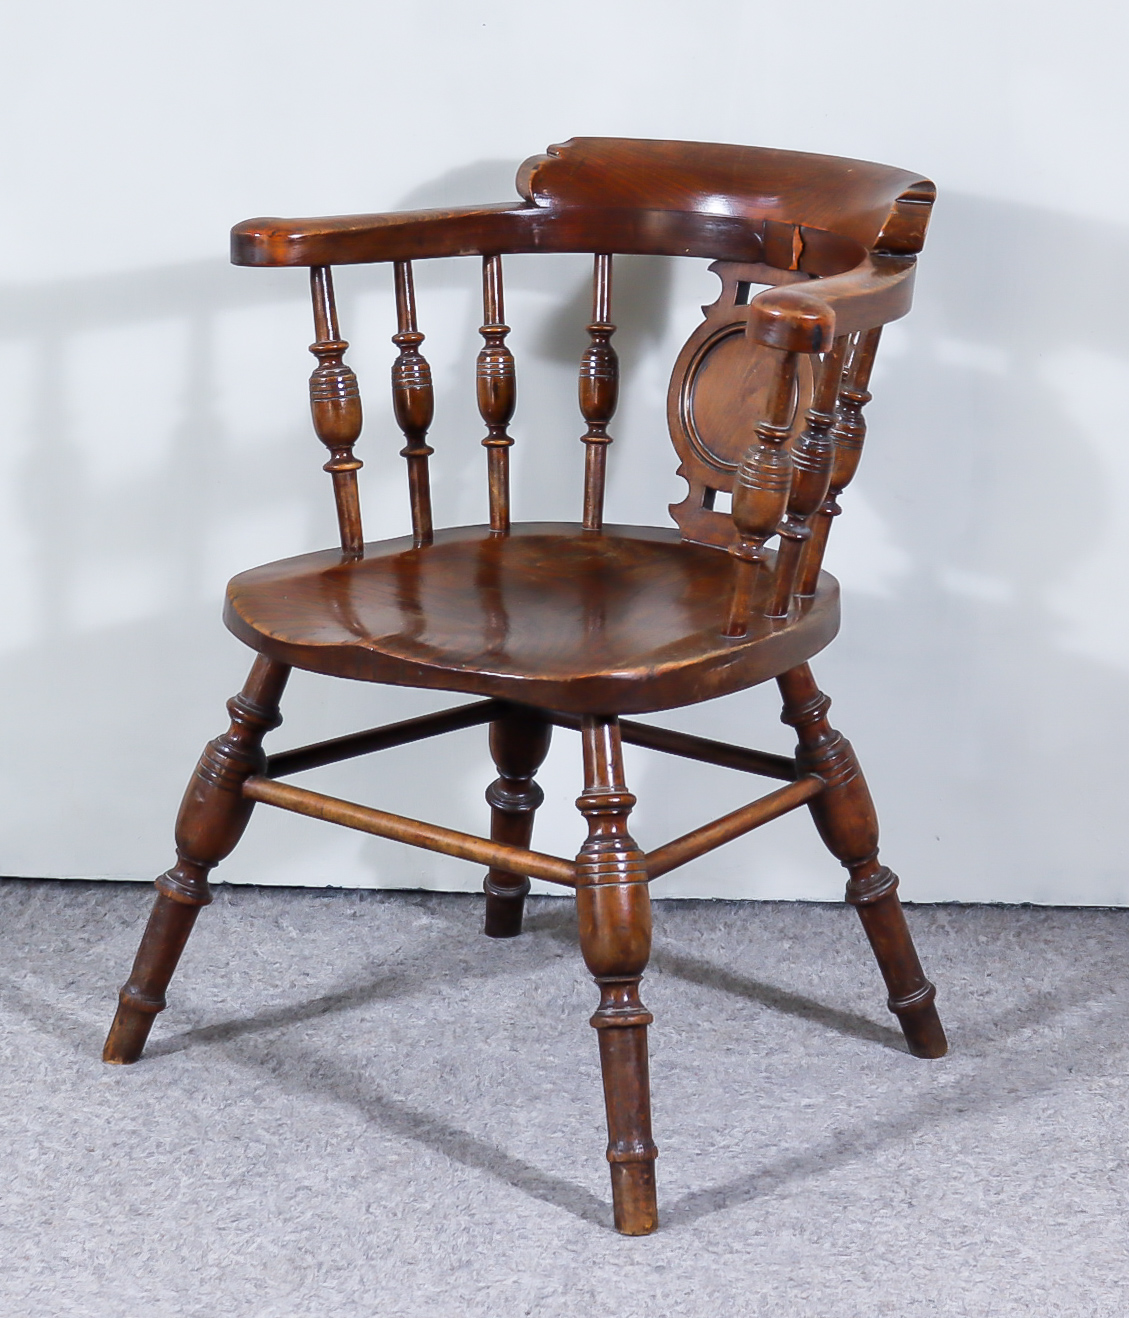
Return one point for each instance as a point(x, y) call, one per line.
point(335, 403)
point(847, 436)
point(812, 453)
point(497, 392)
point(413, 401)
point(599, 393)
point(613, 905)
point(760, 492)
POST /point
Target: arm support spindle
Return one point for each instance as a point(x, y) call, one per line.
point(847, 436)
point(335, 403)
point(413, 401)
point(599, 392)
point(497, 392)
point(760, 493)
point(811, 473)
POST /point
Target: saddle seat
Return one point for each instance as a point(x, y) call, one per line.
point(624, 620)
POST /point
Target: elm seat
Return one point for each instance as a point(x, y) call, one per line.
point(517, 617)
point(571, 625)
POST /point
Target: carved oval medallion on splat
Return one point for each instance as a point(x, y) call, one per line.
point(723, 396)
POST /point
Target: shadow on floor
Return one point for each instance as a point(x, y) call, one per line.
point(1002, 1068)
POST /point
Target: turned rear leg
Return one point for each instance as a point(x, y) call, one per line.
point(614, 908)
point(519, 742)
point(213, 815)
point(845, 816)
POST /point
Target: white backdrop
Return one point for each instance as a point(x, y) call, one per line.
point(156, 435)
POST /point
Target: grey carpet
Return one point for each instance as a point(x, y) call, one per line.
point(356, 1105)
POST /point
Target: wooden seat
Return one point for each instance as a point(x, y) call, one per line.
point(572, 625)
point(547, 615)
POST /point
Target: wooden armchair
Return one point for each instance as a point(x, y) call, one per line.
point(574, 625)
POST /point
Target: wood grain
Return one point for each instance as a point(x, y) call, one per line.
point(549, 615)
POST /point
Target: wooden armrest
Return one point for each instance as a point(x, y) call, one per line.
point(808, 317)
point(398, 236)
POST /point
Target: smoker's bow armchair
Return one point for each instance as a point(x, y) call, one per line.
point(577, 624)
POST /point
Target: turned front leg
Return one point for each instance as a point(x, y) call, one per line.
point(614, 907)
point(519, 742)
point(846, 819)
point(213, 815)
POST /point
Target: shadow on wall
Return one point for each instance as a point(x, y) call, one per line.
point(158, 441)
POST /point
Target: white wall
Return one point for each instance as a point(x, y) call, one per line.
point(156, 437)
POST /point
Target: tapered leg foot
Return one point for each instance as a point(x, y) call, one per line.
point(519, 742)
point(505, 907)
point(143, 995)
point(129, 1033)
point(633, 1196)
point(622, 1021)
point(923, 1030)
point(614, 909)
point(846, 819)
point(874, 895)
point(212, 818)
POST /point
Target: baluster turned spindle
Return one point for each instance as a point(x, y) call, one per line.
point(811, 474)
point(497, 392)
point(413, 400)
point(760, 493)
point(599, 392)
point(847, 435)
point(335, 403)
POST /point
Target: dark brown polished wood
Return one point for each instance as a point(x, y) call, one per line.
point(497, 392)
point(847, 822)
point(213, 815)
point(599, 393)
point(413, 401)
point(519, 742)
point(613, 904)
point(335, 404)
point(548, 615)
point(576, 624)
